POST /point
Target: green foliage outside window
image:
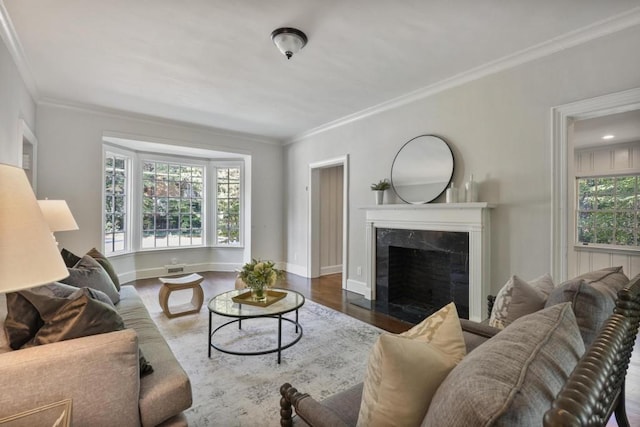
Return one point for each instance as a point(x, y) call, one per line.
point(228, 206)
point(607, 211)
point(172, 204)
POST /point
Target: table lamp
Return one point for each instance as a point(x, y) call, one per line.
point(28, 255)
point(58, 216)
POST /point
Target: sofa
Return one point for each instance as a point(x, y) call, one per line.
point(563, 364)
point(99, 373)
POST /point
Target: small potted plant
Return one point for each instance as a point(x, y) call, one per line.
point(259, 276)
point(379, 189)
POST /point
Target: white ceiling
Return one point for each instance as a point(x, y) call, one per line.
point(625, 127)
point(212, 62)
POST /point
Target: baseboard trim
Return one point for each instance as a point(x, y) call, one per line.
point(330, 269)
point(359, 288)
point(151, 273)
point(298, 270)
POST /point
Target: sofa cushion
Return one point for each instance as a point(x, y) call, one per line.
point(89, 273)
point(593, 297)
point(443, 330)
point(167, 391)
point(402, 377)
point(518, 298)
point(511, 379)
point(395, 392)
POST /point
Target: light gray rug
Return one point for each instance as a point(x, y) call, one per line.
point(244, 390)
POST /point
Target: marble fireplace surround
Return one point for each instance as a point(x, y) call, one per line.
point(472, 218)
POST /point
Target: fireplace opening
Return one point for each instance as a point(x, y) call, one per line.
point(420, 271)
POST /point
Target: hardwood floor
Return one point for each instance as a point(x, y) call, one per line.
point(327, 291)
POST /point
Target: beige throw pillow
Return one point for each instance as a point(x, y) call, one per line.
point(402, 377)
point(518, 298)
point(443, 330)
point(404, 371)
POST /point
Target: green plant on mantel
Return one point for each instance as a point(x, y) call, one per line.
point(382, 185)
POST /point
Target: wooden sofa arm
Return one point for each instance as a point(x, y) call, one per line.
point(312, 412)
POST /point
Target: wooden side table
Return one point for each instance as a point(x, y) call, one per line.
point(170, 284)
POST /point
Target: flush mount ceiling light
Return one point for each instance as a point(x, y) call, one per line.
point(288, 40)
point(608, 137)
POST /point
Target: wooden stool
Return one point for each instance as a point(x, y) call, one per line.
point(170, 284)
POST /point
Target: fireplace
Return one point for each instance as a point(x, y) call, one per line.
point(421, 257)
point(420, 271)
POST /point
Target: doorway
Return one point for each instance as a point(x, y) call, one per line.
point(563, 118)
point(328, 218)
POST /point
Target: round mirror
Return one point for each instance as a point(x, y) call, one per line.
point(422, 169)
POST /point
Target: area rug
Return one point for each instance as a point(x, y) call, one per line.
point(231, 390)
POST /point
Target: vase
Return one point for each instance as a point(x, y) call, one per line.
point(379, 197)
point(259, 294)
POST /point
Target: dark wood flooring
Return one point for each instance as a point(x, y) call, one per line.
point(327, 291)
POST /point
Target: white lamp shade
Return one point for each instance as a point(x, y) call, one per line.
point(28, 254)
point(58, 215)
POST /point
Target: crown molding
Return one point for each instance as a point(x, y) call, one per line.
point(11, 40)
point(574, 38)
point(121, 114)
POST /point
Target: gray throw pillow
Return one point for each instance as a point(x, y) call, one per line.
point(593, 297)
point(22, 322)
point(106, 264)
point(89, 273)
point(70, 259)
point(77, 315)
point(512, 378)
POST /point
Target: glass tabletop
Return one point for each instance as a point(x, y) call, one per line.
point(224, 305)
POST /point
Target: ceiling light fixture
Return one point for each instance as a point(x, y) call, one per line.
point(608, 137)
point(289, 40)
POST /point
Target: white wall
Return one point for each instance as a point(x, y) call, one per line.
point(499, 130)
point(70, 168)
point(15, 104)
point(331, 204)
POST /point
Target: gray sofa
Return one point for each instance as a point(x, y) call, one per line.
point(511, 376)
point(100, 373)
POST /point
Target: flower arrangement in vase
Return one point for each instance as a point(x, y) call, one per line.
point(259, 276)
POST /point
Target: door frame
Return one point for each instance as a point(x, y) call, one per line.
point(313, 241)
point(561, 118)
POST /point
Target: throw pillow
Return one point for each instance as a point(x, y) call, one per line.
point(88, 273)
point(402, 377)
point(78, 315)
point(70, 259)
point(106, 264)
point(22, 322)
point(593, 297)
point(518, 298)
point(396, 389)
point(443, 330)
point(512, 378)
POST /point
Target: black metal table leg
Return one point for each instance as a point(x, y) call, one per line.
point(297, 321)
point(210, 315)
point(279, 336)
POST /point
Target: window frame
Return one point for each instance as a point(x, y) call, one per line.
point(182, 161)
point(109, 151)
point(215, 165)
point(579, 245)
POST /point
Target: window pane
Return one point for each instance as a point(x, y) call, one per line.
point(115, 193)
point(625, 226)
point(586, 227)
point(604, 228)
point(626, 192)
point(605, 193)
point(586, 194)
point(173, 194)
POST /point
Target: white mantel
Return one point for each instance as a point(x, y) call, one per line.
point(472, 218)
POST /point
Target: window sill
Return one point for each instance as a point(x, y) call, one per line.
point(607, 248)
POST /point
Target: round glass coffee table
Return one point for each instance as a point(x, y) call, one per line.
point(224, 305)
